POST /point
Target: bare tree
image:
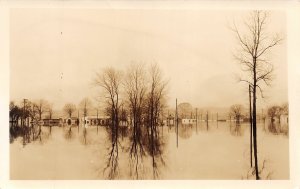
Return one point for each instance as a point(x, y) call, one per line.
point(41, 107)
point(135, 87)
point(110, 81)
point(275, 111)
point(236, 111)
point(285, 108)
point(69, 108)
point(255, 44)
point(85, 105)
point(184, 110)
point(50, 110)
point(155, 104)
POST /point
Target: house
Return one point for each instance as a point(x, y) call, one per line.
point(123, 123)
point(284, 118)
point(53, 122)
point(169, 121)
point(72, 121)
point(188, 121)
point(94, 120)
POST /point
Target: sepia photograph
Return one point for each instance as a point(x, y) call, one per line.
point(148, 94)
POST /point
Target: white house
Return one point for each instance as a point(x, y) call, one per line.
point(284, 118)
point(94, 120)
point(188, 121)
point(71, 121)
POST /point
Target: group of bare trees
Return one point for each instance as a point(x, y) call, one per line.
point(141, 93)
point(276, 112)
point(25, 118)
point(255, 43)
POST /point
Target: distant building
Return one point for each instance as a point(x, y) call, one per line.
point(170, 121)
point(284, 118)
point(94, 120)
point(72, 121)
point(123, 123)
point(53, 122)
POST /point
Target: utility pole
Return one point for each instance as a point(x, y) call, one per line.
point(98, 120)
point(23, 116)
point(176, 124)
point(196, 120)
point(168, 120)
point(217, 119)
point(206, 120)
point(78, 121)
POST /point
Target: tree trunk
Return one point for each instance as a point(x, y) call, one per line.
point(254, 123)
point(250, 117)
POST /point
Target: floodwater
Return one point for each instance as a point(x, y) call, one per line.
point(217, 151)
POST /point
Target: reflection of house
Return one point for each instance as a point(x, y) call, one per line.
point(188, 121)
point(53, 122)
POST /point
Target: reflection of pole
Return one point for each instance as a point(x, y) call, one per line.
point(217, 119)
point(168, 120)
point(78, 121)
point(97, 121)
point(176, 124)
point(250, 116)
point(196, 120)
point(206, 120)
point(23, 116)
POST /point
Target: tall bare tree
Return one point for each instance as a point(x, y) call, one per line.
point(236, 111)
point(85, 105)
point(275, 111)
point(255, 44)
point(135, 87)
point(155, 104)
point(69, 109)
point(110, 81)
point(50, 110)
point(41, 107)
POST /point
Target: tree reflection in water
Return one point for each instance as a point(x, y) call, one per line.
point(28, 134)
point(185, 131)
point(236, 129)
point(69, 133)
point(277, 128)
point(84, 137)
point(112, 164)
point(154, 147)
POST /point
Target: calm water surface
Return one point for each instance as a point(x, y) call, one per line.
point(217, 151)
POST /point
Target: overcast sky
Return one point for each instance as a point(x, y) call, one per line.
point(54, 53)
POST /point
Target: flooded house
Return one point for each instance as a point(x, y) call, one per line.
point(53, 122)
point(188, 121)
point(95, 120)
point(284, 118)
point(169, 120)
point(71, 121)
